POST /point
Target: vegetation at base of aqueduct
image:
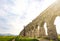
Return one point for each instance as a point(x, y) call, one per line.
point(9, 38)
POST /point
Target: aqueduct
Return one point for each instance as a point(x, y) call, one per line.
point(36, 27)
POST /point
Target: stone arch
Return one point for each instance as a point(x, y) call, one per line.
point(34, 30)
point(41, 29)
point(51, 28)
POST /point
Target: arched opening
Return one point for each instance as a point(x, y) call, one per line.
point(38, 30)
point(38, 27)
point(57, 23)
point(45, 27)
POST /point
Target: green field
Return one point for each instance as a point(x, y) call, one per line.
point(6, 38)
point(9, 38)
point(59, 37)
point(25, 39)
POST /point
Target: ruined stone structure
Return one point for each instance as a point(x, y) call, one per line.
point(47, 16)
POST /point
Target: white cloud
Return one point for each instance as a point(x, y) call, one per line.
point(20, 12)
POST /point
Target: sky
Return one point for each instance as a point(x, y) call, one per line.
point(15, 14)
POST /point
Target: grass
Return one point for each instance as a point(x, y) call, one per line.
point(9, 38)
point(58, 37)
point(18, 38)
point(6, 38)
point(25, 39)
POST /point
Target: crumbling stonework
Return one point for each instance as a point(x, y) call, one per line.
point(47, 16)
